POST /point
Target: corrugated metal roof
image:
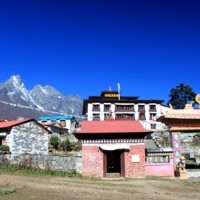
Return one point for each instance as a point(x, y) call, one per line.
point(182, 114)
point(112, 126)
point(55, 117)
point(150, 144)
point(152, 147)
point(8, 124)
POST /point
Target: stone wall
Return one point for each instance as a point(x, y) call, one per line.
point(190, 148)
point(4, 158)
point(29, 138)
point(57, 163)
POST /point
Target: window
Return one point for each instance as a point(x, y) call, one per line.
point(124, 108)
point(152, 108)
point(125, 116)
point(106, 116)
point(63, 123)
point(96, 117)
point(96, 107)
point(152, 116)
point(157, 159)
point(153, 126)
point(141, 108)
point(107, 108)
point(142, 116)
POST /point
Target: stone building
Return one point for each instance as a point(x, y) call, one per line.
point(24, 137)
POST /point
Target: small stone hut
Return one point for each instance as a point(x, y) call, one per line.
point(24, 137)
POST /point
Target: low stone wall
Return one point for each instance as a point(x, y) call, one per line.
point(58, 163)
point(4, 158)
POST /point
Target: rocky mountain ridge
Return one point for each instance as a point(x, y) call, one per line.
point(16, 101)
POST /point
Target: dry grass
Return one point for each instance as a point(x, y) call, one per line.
point(51, 188)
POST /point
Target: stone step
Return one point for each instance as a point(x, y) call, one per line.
point(113, 175)
point(194, 174)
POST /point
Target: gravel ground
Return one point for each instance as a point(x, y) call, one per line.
point(58, 188)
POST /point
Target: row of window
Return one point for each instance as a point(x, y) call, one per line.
point(125, 116)
point(62, 122)
point(157, 159)
point(141, 108)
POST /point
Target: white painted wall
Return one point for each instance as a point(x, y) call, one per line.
point(147, 123)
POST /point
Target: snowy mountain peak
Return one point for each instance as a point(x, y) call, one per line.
point(50, 90)
point(15, 81)
point(45, 99)
point(45, 91)
point(38, 89)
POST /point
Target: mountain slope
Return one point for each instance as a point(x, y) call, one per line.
point(16, 101)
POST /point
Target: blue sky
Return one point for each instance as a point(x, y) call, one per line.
point(85, 46)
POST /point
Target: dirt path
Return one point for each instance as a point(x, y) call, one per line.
point(44, 188)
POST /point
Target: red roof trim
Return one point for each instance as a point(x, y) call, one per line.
point(111, 127)
point(10, 124)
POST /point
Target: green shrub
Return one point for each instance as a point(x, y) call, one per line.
point(77, 146)
point(66, 145)
point(54, 141)
point(4, 148)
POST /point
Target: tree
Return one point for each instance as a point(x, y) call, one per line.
point(181, 95)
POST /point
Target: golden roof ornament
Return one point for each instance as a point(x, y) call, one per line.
point(197, 98)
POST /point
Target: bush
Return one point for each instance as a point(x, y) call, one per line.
point(4, 148)
point(66, 145)
point(77, 146)
point(54, 141)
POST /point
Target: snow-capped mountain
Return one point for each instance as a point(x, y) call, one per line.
point(47, 98)
point(16, 101)
point(13, 90)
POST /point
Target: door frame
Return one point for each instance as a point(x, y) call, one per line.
point(122, 162)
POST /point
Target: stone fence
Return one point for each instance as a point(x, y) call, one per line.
point(55, 163)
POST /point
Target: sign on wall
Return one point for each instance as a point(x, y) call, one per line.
point(136, 158)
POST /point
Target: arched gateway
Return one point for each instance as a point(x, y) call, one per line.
point(184, 125)
point(113, 148)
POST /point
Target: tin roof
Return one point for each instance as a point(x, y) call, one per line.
point(150, 144)
point(112, 126)
point(152, 147)
point(181, 114)
point(10, 124)
point(67, 117)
